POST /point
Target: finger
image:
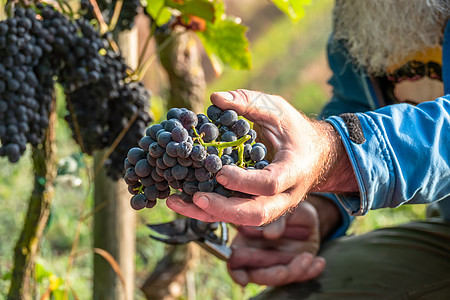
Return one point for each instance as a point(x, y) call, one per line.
point(298, 270)
point(280, 175)
point(258, 258)
point(316, 269)
point(300, 233)
point(255, 106)
point(243, 211)
point(175, 203)
point(239, 276)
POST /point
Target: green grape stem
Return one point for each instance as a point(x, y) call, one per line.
point(221, 145)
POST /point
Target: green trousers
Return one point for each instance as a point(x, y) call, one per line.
point(410, 261)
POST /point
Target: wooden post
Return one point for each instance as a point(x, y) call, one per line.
point(27, 247)
point(114, 224)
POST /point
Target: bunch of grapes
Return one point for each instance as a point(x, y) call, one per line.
point(130, 9)
point(186, 151)
point(25, 84)
point(103, 109)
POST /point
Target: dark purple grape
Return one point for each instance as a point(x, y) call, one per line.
point(213, 163)
point(131, 175)
point(171, 149)
point(179, 172)
point(164, 194)
point(168, 174)
point(143, 168)
point(188, 119)
point(227, 160)
point(164, 138)
point(151, 160)
point(176, 184)
point(155, 150)
point(202, 119)
point(260, 145)
point(145, 142)
point(151, 193)
point(152, 130)
point(160, 163)
point(201, 174)
point(151, 204)
point(162, 185)
point(214, 112)
point(138, 201)
point(247, 149)
point(212, 150)
point(228, 117)
point(127, 164)
point(241, 127)
point(171, 124)
point(210, 131)
point(190, 175)
point(198, 153)
point(147, 181)
point(174, 113)
point(185, 161)
point(179, 134)
point(261, 164)
point(156, 177)
point(257, 153)
point(135, 154)
point(190, 187)
point(229, 136)
point(227, 151)
point(198, 164)
point(252, 134)
point(221, 190)
point(186, 197)
point(223, 129)
point(134, 189)
point(206, 186)
point(169, 161)
point(184, 149)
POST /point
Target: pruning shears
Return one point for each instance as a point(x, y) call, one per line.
point(182, 231)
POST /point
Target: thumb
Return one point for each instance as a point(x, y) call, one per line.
point(255, 106)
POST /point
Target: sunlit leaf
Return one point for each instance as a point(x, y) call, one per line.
point(158, 11)
point(41, 273)
point(200, 8)
point(226, 39)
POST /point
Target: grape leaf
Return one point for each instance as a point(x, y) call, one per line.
point(200, 8)
point(158, 11)
point(226, 40)
point(294, 9)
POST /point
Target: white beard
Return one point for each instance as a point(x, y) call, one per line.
point(380, 33)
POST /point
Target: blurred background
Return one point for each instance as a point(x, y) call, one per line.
point(288, 59)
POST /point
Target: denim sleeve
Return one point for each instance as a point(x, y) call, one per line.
point(404, 158)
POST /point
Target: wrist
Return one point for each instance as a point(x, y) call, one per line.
point(336, 174)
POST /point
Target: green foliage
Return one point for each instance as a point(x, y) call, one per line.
point(294, 9)
point(158, 11)
point(226, 39)
point(223, 37)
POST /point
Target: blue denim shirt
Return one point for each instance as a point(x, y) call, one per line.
point(405, 155)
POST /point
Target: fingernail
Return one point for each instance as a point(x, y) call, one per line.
point(225, 95)
point(202, 202)
point(222, 180)
point(241, 277)
point(306, 260)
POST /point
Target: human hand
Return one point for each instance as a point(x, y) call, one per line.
point(279, 253)
point(306, 151)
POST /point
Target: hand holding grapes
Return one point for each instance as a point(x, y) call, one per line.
point(279, 253)
point(308, 156)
